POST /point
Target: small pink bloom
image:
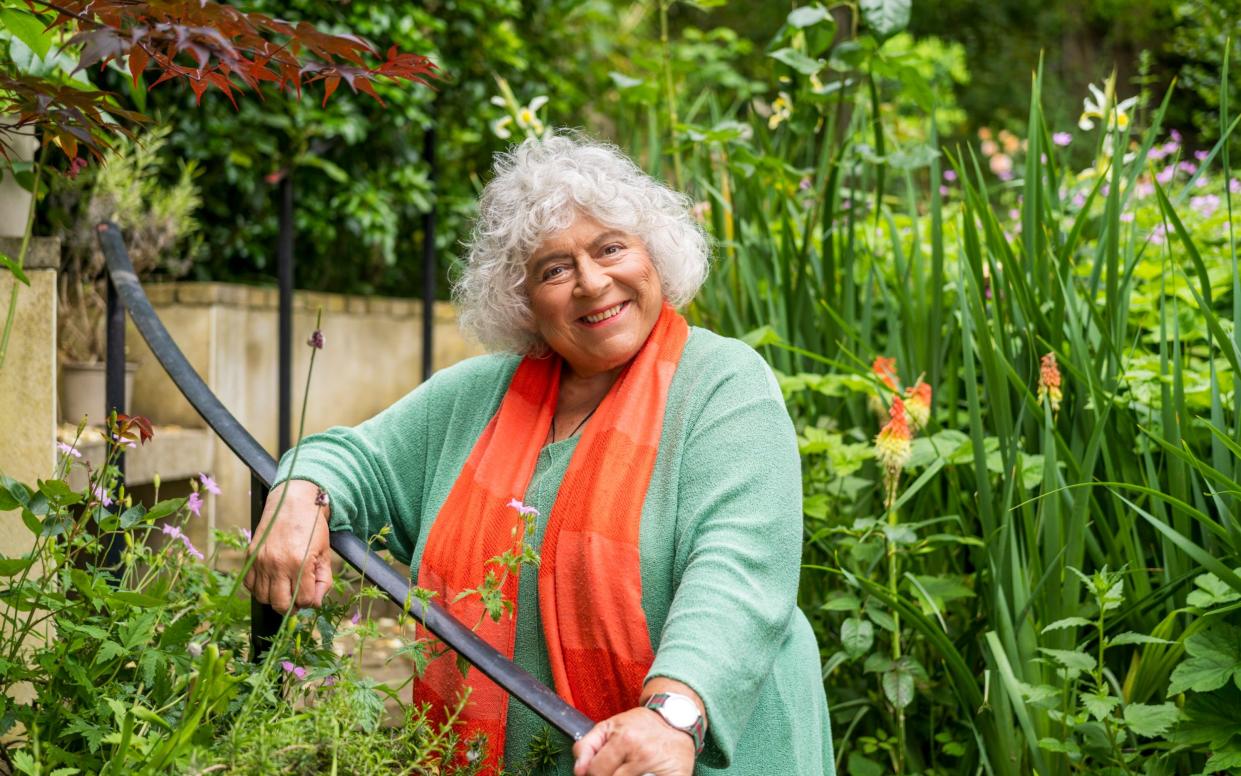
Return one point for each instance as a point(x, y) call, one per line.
point(246, 533)
point(1166, 175)
point(296, 670)
point(68, 449)
point(1176, 136)
point(1234, 186)
point(1126, 217)
point(209, 484)
point(357, 616)
point(1201, 155)
point(944, 191)
point(1062, 139)
point(102, 496)
point(950, 175)
point(522, 509)
point(195, 504)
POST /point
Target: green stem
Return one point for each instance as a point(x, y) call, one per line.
point(893, 583)
point(669, 92)
point(21, 255)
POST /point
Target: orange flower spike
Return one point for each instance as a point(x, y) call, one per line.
point(1049, 381)
point(893, 448)
point(918, 404)
point(885, 370)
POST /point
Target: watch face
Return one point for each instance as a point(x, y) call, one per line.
point(680, 711)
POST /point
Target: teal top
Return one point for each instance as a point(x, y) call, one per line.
point(719, 541)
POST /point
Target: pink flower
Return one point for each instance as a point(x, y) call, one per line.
point(1204, 205)
point(321, 498)
point(102, 495)
point(120, 440)
point(1062, 139)
point(175, 533)
point(1126, 217)
point(1234, 186)
point(316, 339)
point(290, 668)
point(195, 504)
point(1201, 155)
point(357, 616)
point(1176, 136)
point(1079, 199)
point(1049, 381)
point(1166, 175)
point(76, 166)
point(209, 484)
point(950, 175)
point(944, 191)
point(246, 533)
point(1144, 189)
point(522, 509)
point(68, 449)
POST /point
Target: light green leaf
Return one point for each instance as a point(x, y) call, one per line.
point(1099, 704)
point(841, 602)
point(1212, 591)
point(1056, 745)
point(1228, 760)
point(15, 268)
point(28, 29)
point(1067, 622)
point(797, 60)
point(1215, 657)
point(806, 15)
point(1129, 637)
point(885, 17)
point(1074, 662)
point(11, 566)
point(1150, 720)
point(857, 636)
point(861, 765)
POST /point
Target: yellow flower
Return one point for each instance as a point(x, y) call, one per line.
point(918, 404)
point(781, 110)
point(893, 448)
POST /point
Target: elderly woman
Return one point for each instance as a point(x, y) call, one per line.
point(658, 463)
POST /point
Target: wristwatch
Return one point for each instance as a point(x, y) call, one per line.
point(680, 712)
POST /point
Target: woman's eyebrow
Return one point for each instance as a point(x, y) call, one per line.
point(611, 234)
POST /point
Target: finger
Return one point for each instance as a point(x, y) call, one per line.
point(614, 752)
point(323, 580)
point(306, 585)
point(281, 594)
point(588, 746)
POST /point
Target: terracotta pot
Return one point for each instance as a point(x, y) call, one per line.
point(82, 391)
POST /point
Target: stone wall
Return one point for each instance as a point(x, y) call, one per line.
point(28, 379)
point(372, 357)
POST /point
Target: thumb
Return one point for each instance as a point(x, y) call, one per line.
point(585, 750)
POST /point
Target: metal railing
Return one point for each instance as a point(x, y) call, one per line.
point(125, 294)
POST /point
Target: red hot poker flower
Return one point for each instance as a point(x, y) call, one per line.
point(918, 404)
point(1049, 381)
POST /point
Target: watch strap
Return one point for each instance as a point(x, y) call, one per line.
point(696, 729)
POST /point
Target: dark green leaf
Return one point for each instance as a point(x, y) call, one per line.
point(885, 17)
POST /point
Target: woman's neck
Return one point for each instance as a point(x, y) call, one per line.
point(579, 396)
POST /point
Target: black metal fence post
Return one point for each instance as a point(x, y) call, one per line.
point(114, 391)
point(264, 621)
point(284, 278)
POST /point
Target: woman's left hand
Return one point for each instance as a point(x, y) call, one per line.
point(634, 743)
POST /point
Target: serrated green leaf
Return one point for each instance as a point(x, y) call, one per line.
point(1215, 657)
point(1073, 661)
point(1099, 704)
point(1212, 591)
point(1056, 745)
point(856, 636)
point(367, 705)
point(1150, 720)
point(1067, 622)
point(108, 651)
point(1129, 637)
point(1210, 720)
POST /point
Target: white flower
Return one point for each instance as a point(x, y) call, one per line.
point(500, 127)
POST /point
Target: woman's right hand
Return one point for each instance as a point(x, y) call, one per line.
point(302, 523)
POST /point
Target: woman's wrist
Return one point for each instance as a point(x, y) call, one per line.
point(662, 684)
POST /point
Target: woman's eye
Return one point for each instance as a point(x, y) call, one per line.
point(611, 250)
point(551, 273)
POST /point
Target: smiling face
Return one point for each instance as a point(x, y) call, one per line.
point(595, 295)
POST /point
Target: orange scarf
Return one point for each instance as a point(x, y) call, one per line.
point(590, 583)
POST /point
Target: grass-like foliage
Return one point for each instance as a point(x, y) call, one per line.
point(1011, 367)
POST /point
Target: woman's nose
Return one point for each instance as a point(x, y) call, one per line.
point(592, 279)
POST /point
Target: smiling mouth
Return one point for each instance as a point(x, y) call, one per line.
point(603, 315)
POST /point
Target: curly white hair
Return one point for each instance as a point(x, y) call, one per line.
point(539, 188)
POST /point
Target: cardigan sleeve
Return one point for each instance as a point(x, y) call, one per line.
point(739, 533)
point(373, 473)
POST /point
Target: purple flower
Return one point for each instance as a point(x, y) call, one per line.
point(804, 184)
point(328, 681)
point(316, 339)
point(1205, 205)
point(175, 533)
point(1005, 175)
point(1126, 217)
point(1234, 186)
point(1176, 136)
point(1014, 214)
point(1079, 199)
point(522, 509)
point(321, 498)
point(944, 191)
point(246, 533)
point(209, 484)
point(357, 615)
point(1158, 234)
point(1165, 175)
point(1189, 168)
point(195, 504)
point(1144, 189)
point(1062, 139)
point(296, 670)
point(950, 175)
point(1201, 155)
point(101, 494)
point(68, 449)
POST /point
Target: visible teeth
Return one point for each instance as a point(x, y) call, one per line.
point(603, 316)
